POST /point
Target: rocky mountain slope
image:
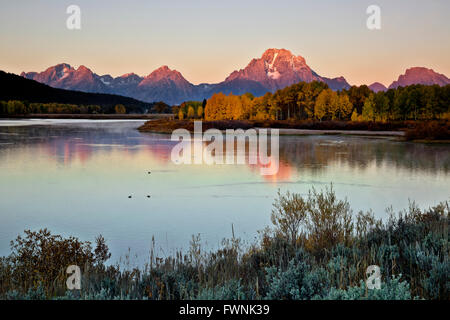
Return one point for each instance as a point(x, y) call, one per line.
point(275, 69)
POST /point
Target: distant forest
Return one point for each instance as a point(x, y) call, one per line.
point(316, 101)
point(22, 96)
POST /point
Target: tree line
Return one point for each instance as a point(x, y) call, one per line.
point(316, 101)
point(19, 107)
point(190, 110)
point(15, 107)
point(16, 88)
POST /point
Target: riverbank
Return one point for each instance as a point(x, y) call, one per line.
point(300, 132)
point(167, 126)
point(285, 127)
point(407, 130)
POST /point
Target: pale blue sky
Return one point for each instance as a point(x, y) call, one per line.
point(206, 40)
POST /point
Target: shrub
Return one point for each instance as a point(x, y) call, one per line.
point(329, 221)
point(394, 289)
point(288, 213)
point(431, 130)
point(231, 290)
point(297, 282)
point(40, 259)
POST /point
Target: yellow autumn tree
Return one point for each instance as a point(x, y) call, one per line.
point(247, 105)
point(200, 112)
point(216, 107)
point(236, 108)
point(120, 109)
point(355, 116)
point(180, 114)
point(345, 107)
point(327, 105)
point(190, 112)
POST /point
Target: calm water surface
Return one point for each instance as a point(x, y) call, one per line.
point(74, 178)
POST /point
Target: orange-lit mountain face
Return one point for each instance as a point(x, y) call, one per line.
point(166, 85)
point(275, 69)
point(279, 68)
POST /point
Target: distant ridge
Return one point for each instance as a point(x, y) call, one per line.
point(377, 87)
point(420, 75)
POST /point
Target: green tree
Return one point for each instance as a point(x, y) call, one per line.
point(161, 107)
point(307, 96)
point(3, 107)
point(381, 106)
point(358, 95)
point(368, 112)
point(15, 107)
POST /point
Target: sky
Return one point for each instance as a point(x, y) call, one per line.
point(207, 39)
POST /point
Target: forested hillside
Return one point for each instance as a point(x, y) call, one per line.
point(13, 87)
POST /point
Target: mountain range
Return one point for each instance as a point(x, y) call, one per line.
point(420, 75)
point(14, 87)
point(275, 69)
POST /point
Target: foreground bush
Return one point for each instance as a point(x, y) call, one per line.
point(393, 289)
point(317, 249)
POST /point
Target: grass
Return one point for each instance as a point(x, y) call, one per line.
point(317, 248)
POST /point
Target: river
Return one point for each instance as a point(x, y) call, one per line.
point(75, 177)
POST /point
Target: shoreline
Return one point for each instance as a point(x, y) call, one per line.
point(166, 127)
point(423, 132)
point(305, 132)
point(166, 124)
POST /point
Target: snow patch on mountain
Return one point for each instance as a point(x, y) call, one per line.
point(272, 72)
point(273, 60)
